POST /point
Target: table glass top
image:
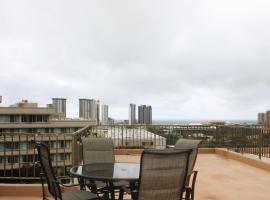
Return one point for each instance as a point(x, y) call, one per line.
point(114, 171)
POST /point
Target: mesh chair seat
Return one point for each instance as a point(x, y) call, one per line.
point(79, 195)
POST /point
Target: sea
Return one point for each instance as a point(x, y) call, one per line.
point(195, 122)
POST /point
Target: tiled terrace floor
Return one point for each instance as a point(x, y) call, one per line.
point(219, 178)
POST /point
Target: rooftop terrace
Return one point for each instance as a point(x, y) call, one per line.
point(222, 175)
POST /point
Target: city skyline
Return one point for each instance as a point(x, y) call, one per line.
point(59, 105)
point(188, 59)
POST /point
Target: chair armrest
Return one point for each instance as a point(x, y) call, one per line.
point(194, 172)
point(190, 190)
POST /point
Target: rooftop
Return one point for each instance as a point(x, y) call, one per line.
point(222, 175)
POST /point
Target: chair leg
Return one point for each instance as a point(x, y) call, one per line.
point(43, 188)
point(121, 194)
point(188, 192)
point(112, 190)
point(134, 195)
point(81, 183)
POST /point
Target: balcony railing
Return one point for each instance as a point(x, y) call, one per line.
point(18, 156)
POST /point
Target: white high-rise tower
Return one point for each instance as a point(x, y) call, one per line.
point(132, 114)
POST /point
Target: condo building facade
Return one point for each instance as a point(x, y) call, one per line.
point(132, 114)
point(89, 109)
point(144, 114)
point(60, 105)
point(25, 122)
point(261, 118)
point(104, 114)
point(264, 118)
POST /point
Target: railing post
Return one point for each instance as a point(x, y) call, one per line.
point(261, 143)
point(216, 133)
point(122, 136)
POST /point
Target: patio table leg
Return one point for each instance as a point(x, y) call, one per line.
point(133, 188)
point(111, 188)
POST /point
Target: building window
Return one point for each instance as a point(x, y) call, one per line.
point(61, 144)
point(39, 118)
point(1, 147)
point(26, 119)
point(147, 143)
point(12, 159)
point(23, 146)
point(68, 144)
point(4, 119)
point(14, 119)
point(45, 118)
point(63, 130)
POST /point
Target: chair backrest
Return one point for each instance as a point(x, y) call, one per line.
point(98, 150)
point(189, 144)
point(46, 165)
point(163, 174)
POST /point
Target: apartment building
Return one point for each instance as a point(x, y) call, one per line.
point(60, 105)
point(144, 114)
point(89, 109)
point(24, 122)
point(262, 118)
point(132, 114)
point(104, 114)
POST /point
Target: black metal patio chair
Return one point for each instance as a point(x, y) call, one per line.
point(97, 151)
point(53, 182)
point(163, 174)
point(192, 174)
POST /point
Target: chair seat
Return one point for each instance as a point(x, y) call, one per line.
point(79, 195)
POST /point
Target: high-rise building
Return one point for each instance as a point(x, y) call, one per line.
point(141, 114)
point(267, 118)
point(60, 106)
point(261, 118)
point(104, 114)
point(148, 115)
point(132, 114)
point(144, 114)
point(89, 109)
point(98, 117)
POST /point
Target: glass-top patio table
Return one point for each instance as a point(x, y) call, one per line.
point(109, 173)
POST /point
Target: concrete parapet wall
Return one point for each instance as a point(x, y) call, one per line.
point(128, 151)
point(26, 190)
point(249, 159)
point(139, 151)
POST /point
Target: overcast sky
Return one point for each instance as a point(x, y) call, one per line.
point(189, 59)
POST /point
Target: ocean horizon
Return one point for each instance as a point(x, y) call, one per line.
point(190, 121)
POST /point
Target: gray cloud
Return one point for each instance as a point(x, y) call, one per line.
point(188, 59)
